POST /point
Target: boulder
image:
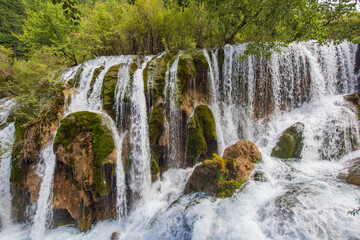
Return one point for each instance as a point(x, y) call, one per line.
point(84, 175)
point(201, 135)
point(290, 143)
point(108, 88)
point(221, 177)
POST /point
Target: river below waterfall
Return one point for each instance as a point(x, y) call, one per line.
point(284, 199)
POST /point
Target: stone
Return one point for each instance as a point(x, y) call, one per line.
point(221, 177)
point(84, 175)
point(290, 143)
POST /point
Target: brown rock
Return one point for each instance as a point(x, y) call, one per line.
point(222, 177)
point(354, 174)
point(244, 149)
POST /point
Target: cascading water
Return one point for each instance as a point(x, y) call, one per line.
point(172, 94)
point(256, 99)
point(140, 178)
point(45, 172)
point(88, 97)
point(7, 132)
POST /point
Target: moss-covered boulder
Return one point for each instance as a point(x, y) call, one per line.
point(97, 72)
point(86, 158)
point(108, 89)
point(221, 177)
point(154, 78)
point(202, 69)
point(76, 81)
point(290, 143)
point(353, 176)
point(201, 138)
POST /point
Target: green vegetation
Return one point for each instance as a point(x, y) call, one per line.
point(201, 129)
point(108, 89)
point(290, 143)
point(156, 124)
point(225, 186)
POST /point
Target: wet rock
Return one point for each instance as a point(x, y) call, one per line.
point(353, 175)
point(259, 176)
point(201, 137)
point(108, 88)
point(85, 162)
point(221, 177)
point(115, 236)
point(290, 143)
point(355, 100)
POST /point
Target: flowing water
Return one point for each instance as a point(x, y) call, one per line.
point(172, 94)
point(7, 131)
point(294, 199)
point(45, 171)
point(140, 176)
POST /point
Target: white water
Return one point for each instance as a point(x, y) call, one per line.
point(248, 87)
point(6, 141)
point(121, 205)
point(85, 99)
point(140, 176)
point(301, 199)
point(45, 171)
point(121, 89)
point(172, 94)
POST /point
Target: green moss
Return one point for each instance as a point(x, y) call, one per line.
point(217, 163)
point(154, 163)
point(201, 64)
point(201, 129)
point(205, 115)
point(73, 124)
point(77, 76)
point(108, 89)
point(156, 124)
point(97, 72)
point(102, 185)
point(133, 68)
point(185, 72)
point(290, 143)
point(228, 188)
point(154, 77)
point(196, 144)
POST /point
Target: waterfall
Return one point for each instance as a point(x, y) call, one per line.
point(122, 88)
point(172, 94)
point(260, 88)
point(87, 97)
point(256, 99)
point(120, 175)
point(140, 176)
point(45, 170)
point(7, 132)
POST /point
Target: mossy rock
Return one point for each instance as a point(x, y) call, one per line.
point(97, 72)
point(102, 142)
point(201, 132)
point(201, 64)
point(108, 89)
point(156, 124)
point(154, 77)
point(154, 165)
point(185, 72)
point(76, 81)
point(73, 124)
point(290, 143)
point(228, 188)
